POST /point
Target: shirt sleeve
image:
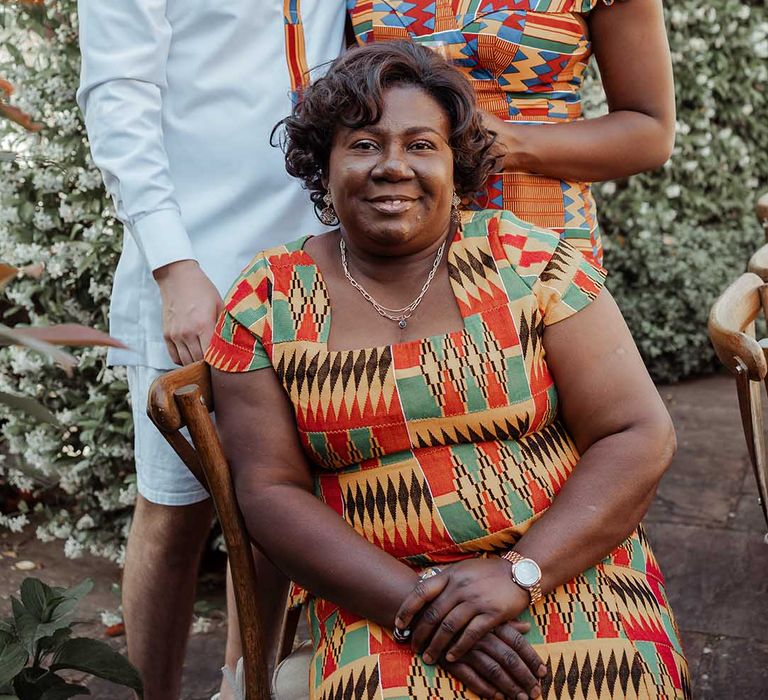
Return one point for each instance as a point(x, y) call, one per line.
point(242, 339)
point(567, 284)
point(124, 46)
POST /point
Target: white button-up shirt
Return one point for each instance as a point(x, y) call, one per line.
point(180, 98)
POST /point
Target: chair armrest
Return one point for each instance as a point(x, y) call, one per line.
point(162, 408)
point(730, 322)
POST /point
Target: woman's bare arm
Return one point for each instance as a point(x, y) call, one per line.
point(630, 45)
point(304, 538)
point(622, 430)
point(626, 440)
point(311, 543)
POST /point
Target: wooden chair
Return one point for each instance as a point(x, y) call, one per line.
point(183, 398)
point(761, 209)
point(732, 332)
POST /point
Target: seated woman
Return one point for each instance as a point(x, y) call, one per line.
point(438, 424)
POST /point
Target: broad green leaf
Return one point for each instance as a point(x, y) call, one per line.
point(13, 658)
point(40, 684)
point(64, 691)
point(35, 595)
point(25, 404)
point(98, 659)
point(69, 598)
point(49, 644)
point(30, 629)
point(26, 625)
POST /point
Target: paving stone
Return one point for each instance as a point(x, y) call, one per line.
point(717, 579)
point(733, 668)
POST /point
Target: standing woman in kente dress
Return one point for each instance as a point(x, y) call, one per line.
point(526, 61)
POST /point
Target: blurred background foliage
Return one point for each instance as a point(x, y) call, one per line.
point(673, 239)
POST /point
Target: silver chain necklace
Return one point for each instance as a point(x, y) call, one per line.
point(400, 316)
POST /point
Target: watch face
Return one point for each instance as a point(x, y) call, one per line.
point(527, 572)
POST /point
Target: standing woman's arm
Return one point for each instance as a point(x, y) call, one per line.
point(630, 44)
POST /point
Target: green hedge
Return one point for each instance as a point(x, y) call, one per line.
point(673, 239)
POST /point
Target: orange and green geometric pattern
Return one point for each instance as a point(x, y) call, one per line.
point(526, 61)
point(450, 447)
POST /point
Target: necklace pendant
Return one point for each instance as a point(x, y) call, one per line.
point(402, 323)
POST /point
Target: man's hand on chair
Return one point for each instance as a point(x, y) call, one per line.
point(191, 306)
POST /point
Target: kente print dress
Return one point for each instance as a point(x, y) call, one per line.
point(525, 60)
point(450, 447)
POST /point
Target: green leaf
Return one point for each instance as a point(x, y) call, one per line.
point(69, 598)
point(26, 625)
point(64, 691)
point(41, 684)
point(35, 596)
point(30, 629)
point(54, 641)
point(98, 659)
point(13, 658)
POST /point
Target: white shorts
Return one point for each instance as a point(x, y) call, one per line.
point(162, 477)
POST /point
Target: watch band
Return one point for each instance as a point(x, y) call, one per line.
point(535, 590)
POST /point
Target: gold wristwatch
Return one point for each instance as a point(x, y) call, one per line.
point(525, 573)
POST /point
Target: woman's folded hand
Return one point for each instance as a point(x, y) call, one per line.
point(501, 664)
point(449, 613)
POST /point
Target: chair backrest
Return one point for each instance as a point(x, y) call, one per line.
point(183, 398)
point(732, 332)
point(761, 209)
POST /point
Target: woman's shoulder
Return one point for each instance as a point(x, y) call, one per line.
point(515, 242)
point(253, 286)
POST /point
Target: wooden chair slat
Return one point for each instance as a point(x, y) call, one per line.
point(184, 398)
point(732, 332)
point(161, 405)
point(761, 209)
point(731, 328)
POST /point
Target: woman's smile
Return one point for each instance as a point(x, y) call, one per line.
point(392, 205)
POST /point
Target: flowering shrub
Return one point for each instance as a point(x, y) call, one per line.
point(673, 239)
point(53, 209)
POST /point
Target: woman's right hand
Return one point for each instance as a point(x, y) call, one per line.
point(500, 665)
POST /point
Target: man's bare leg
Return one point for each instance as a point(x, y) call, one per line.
point(273, 594)
point(159, 581)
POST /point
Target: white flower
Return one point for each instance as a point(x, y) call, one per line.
point(201, 625)
point(111, 617)
point(73, 549)
point(608, 188)
point(15, 523)
point(85, 523)
point(673, 191)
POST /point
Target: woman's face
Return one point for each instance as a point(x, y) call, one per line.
point(392, 182)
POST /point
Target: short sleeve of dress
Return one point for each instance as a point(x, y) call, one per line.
point(567, 284)
point(242, 338)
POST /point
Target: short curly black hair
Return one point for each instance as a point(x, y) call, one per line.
point(351, 94)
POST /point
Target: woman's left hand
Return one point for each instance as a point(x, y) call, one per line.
point(459, 606)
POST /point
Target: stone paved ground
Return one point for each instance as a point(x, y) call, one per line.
point(705, 526)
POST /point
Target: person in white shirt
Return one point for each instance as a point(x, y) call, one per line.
point(180, 97)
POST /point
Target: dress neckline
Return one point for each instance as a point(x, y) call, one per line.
point(437, 337)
